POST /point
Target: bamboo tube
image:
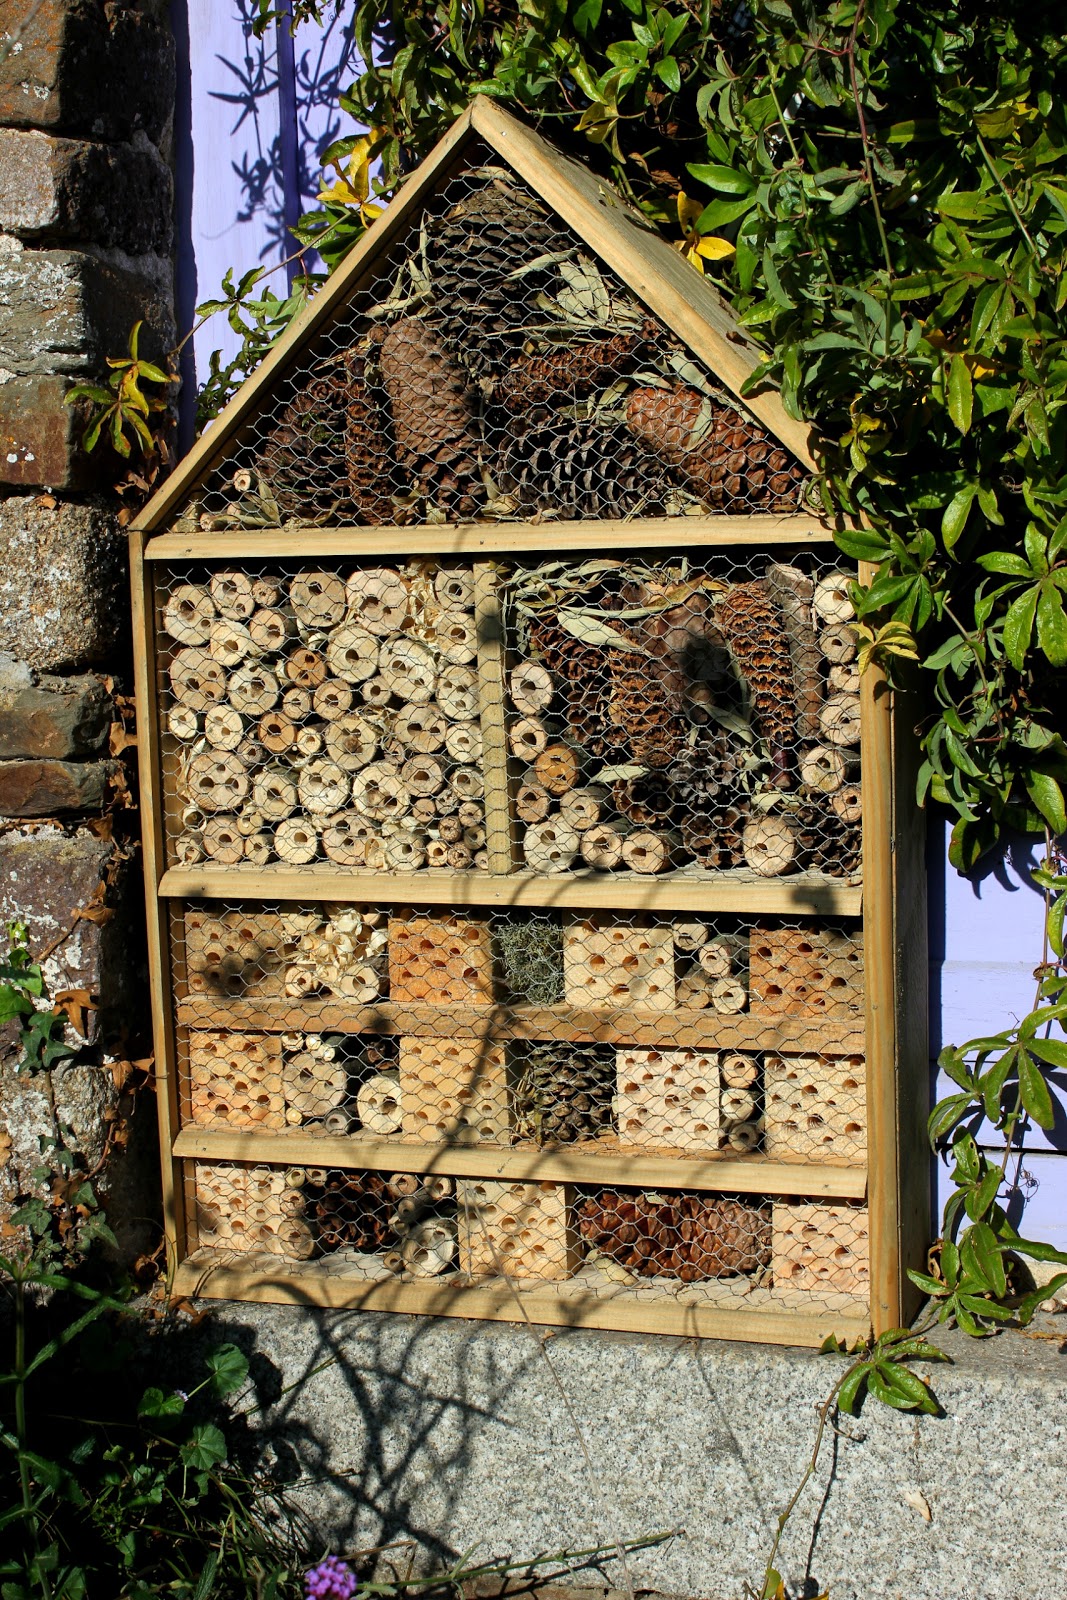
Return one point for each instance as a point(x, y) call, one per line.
point(838, 643)
point(267, 591)
point(252, 690)
point(481, 861)
point(474, 838)
point(346, 839)
point(252, 752)
point(351, 741)
point(183, 723)
point(307, 668)
point(309, 741)
point(223, 727)
point(527, 738)
point(188, 614)
point(450, 829)
point(337, 1123)
point(743, 1137)
point(463, 741)
point(296, 704)
point(232, 595)
point(831, 601)
point(274, 794)
point(728, 996)
point(844, 679)
point(270, 631)
point(689, 936)
point(840, 719)
point(392, 1261)
point(440, 1188)
point(375, 691)
point(223, 841)
point(404, 1184)
point(296, 840)
point(457, 693)
point(460, 858)
point(454, 588)
point(188, 851)
point(230, 642)
point(847, 803)
point(715, 959)
point(422, 775)
point(216, 781)
point(300, 982)
point(648, 852)
point(250, 819)
point(466, 783)
point(456, 638)
point(276, 733)
point(693, 992)
point(531, 688)
point(601, 845)
point(737, 1105)
point(822, 768)
point(737, 1071)
point(377, 599)
point(323, 787)
point(197, 680)
point(447, 802)
point(437, 855)
point(378, 1104)
point(317, 598)
point(557, 768)
point(291, 1203)
point(352, 654)
point(259, 849)
point(409, 668)
point(192, 817)
point(332, 699)
point(421, 728)
point(378, 792)
point(405, 849)
point(532, 803)
point(769, 845)
point(550, 846)
point(423, 811)
point(430, 1247)
point(472, 814)
point(581, 808)
point(295, 1177)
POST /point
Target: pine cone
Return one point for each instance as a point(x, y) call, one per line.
point(563, 654)
point(732, 464)
point(721, 1238)
point(715, 837)
point(577, 469)
point(475, 250)
point(644, 704)
point(644, 801)
point(433, 416)
point(369, 451)
point(833, 845)
point(562, 376)
point(304, 461)
point(564, 1095)
point(350, 1211)
point(753, 626)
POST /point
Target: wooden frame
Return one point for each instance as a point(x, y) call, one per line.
point(889, 900)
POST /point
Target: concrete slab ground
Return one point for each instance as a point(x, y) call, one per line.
point(514, 1441)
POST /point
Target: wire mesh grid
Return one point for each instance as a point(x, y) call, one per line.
point(613, 1034)
point(493, 368)
point(638, 714)
point(581, 1242)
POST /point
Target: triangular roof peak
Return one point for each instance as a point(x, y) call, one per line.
point(612, 230)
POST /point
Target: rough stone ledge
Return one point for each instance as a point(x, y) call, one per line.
point(52, 788)
point(57, 718)
point(59, 189)
point(453, 1434)
point(66, 311)
point(63, 592)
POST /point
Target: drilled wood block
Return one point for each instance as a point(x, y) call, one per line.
point(820, 1248)
point(805, 972)
point(235, 1080)
point(441, 960)
point(240, 953)
point(454, 1091)
point(527, 1230)
point(667, 1097)
point(249, 1209)
point(607, 962)
point(815, 1107)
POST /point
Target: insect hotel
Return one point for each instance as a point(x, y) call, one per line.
point(535, 906)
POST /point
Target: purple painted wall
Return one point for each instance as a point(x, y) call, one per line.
point(253, 119)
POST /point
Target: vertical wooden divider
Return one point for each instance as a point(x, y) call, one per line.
point(500, 842)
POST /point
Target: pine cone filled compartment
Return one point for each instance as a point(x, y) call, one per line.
point(689, 1237)
point(434, 415)
point(722, 455)
point(563, 1092)
point(347, 1210)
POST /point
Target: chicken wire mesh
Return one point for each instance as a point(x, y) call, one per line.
point(613, 1034)
point(582, 1241)
point(677, 713)
point(493, 368)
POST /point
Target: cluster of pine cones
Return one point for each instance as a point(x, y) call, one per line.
point(563, 1094)
point(687, 1236)
point(350, 1211)
point(466, 396)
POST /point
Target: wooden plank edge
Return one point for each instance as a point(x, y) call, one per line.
point(725, 1174)
point(226, 1281)
point(802, 895)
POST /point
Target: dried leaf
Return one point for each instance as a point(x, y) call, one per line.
point(589, 630)
point(918, 1502)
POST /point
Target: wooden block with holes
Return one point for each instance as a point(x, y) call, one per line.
point(443, 960)
point(667, 1098)
point(815, 1108)
point(614, 962)
point(249, 1209)
point(527, 1230)
point(454, 1091)
point(820, 1248)
point(235, 1080)
point(240, 953)
point(805, 972)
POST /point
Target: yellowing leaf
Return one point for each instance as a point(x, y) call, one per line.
point(713, 248)
point(688, 213)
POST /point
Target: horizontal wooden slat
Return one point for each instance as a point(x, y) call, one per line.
point(678, 1029)
point(803, 894)
point(727, 1173)
point(213, 1275)
point(486, 538)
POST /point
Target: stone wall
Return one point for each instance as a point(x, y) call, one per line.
point(86, 105)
